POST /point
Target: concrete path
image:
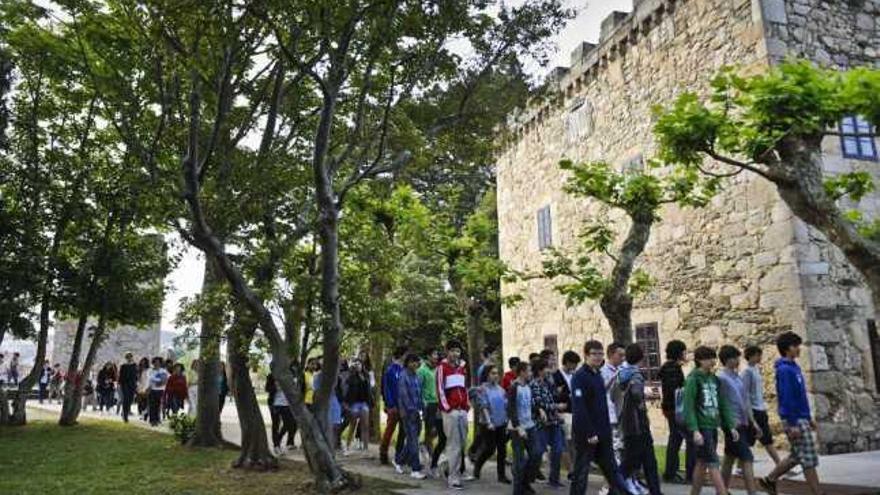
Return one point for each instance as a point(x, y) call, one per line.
point(847, 474)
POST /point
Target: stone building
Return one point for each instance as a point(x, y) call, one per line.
point(142, 342)
point(741, 270)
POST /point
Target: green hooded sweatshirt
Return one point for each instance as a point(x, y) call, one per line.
point(704, 406)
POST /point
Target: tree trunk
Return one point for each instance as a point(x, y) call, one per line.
point(19, 398)
point(805, 194)
point(254, 444)
point(207, 432)
point(72, 401)
point(75, 407)
point(617, 302)
point(476, 337)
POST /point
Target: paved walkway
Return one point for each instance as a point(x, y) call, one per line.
point(847, 474)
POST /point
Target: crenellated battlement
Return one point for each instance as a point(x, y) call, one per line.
point(619, 30)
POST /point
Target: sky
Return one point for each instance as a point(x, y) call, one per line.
point(186, 279)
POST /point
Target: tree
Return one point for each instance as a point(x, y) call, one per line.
point(773, 125)
point(639, 195)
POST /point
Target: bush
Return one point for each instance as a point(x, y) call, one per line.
point(183, 426)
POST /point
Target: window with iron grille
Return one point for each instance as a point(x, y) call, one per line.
point(551, 344)
point(857, 138)
point(648, 337)
point(545, 236)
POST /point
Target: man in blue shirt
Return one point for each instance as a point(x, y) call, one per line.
point(591, 428)
point(389, 396)
point(410, 407)
point(794, 410)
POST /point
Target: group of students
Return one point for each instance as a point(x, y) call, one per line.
point(158, 387)
point(349, 409)
point(9, 372)
point(595, 413)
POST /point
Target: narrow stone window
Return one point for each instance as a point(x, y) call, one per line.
point(578, 123)
point(857, 138)
point(875, 352)
point(648, 337)
point(545, 228)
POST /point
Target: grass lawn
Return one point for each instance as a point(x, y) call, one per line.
point(106, 457)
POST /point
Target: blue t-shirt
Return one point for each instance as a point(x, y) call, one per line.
point(524, 407)
point(497, 400)
point(734, 393)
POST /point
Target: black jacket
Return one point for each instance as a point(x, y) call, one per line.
point(128, 376)
point(589, 406)
point(562, 390)
point(671, 379)
point(357, 389)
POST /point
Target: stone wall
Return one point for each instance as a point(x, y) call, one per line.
point(142, 342)
point(837, 34)
point(741, 270)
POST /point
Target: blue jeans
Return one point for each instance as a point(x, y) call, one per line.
point(412, 424)
point(553, 438)
point(603, 454)
point(525, 459)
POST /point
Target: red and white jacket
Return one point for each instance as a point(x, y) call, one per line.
point(452, 386)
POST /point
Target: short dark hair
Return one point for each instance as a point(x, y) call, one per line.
point(701, 353)
point(728, 352)
point(454, 344)
point(592, 345)
point(634, 353)
point(613, 347)
point(752, 350)
point(520, 367)
point(158, 359)
point(410, 358)
point(538, 366)
point(675, 350)
point(399, 351)
point(546, 353)
point(788, 340)
point(533, 356)
point(485, 374)
point(488, 350)
point(512, 362)
point(571, 357)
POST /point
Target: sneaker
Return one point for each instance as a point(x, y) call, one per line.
point(640, 488)
point(767, 485)
point(417, 475)
point(604, 490)
point(630, 486)
point(540, 476)
point(398, 468)
point(794, 472)
point(467, 477)
point(456, 486)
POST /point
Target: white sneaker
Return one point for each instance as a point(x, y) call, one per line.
point(640, 488)
point(398, 468)
point(467, 476)
point(605, 490)
point(630, 486)
point(417, 475)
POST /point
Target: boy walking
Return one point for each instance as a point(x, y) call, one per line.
point(638, 444)
point(389, 395)
point(754, 385)
point(591, 428)
point(705, 411)
point(454, 406)
point(410, 406)
point(524, 431)
point(671, 380)
point(794, 410)
point(734, 393)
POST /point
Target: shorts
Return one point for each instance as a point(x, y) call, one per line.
point(357, 407)
point(708, 452)
point(763, 422)
point(803, 448)
point(431, 419)
point(739, 449)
